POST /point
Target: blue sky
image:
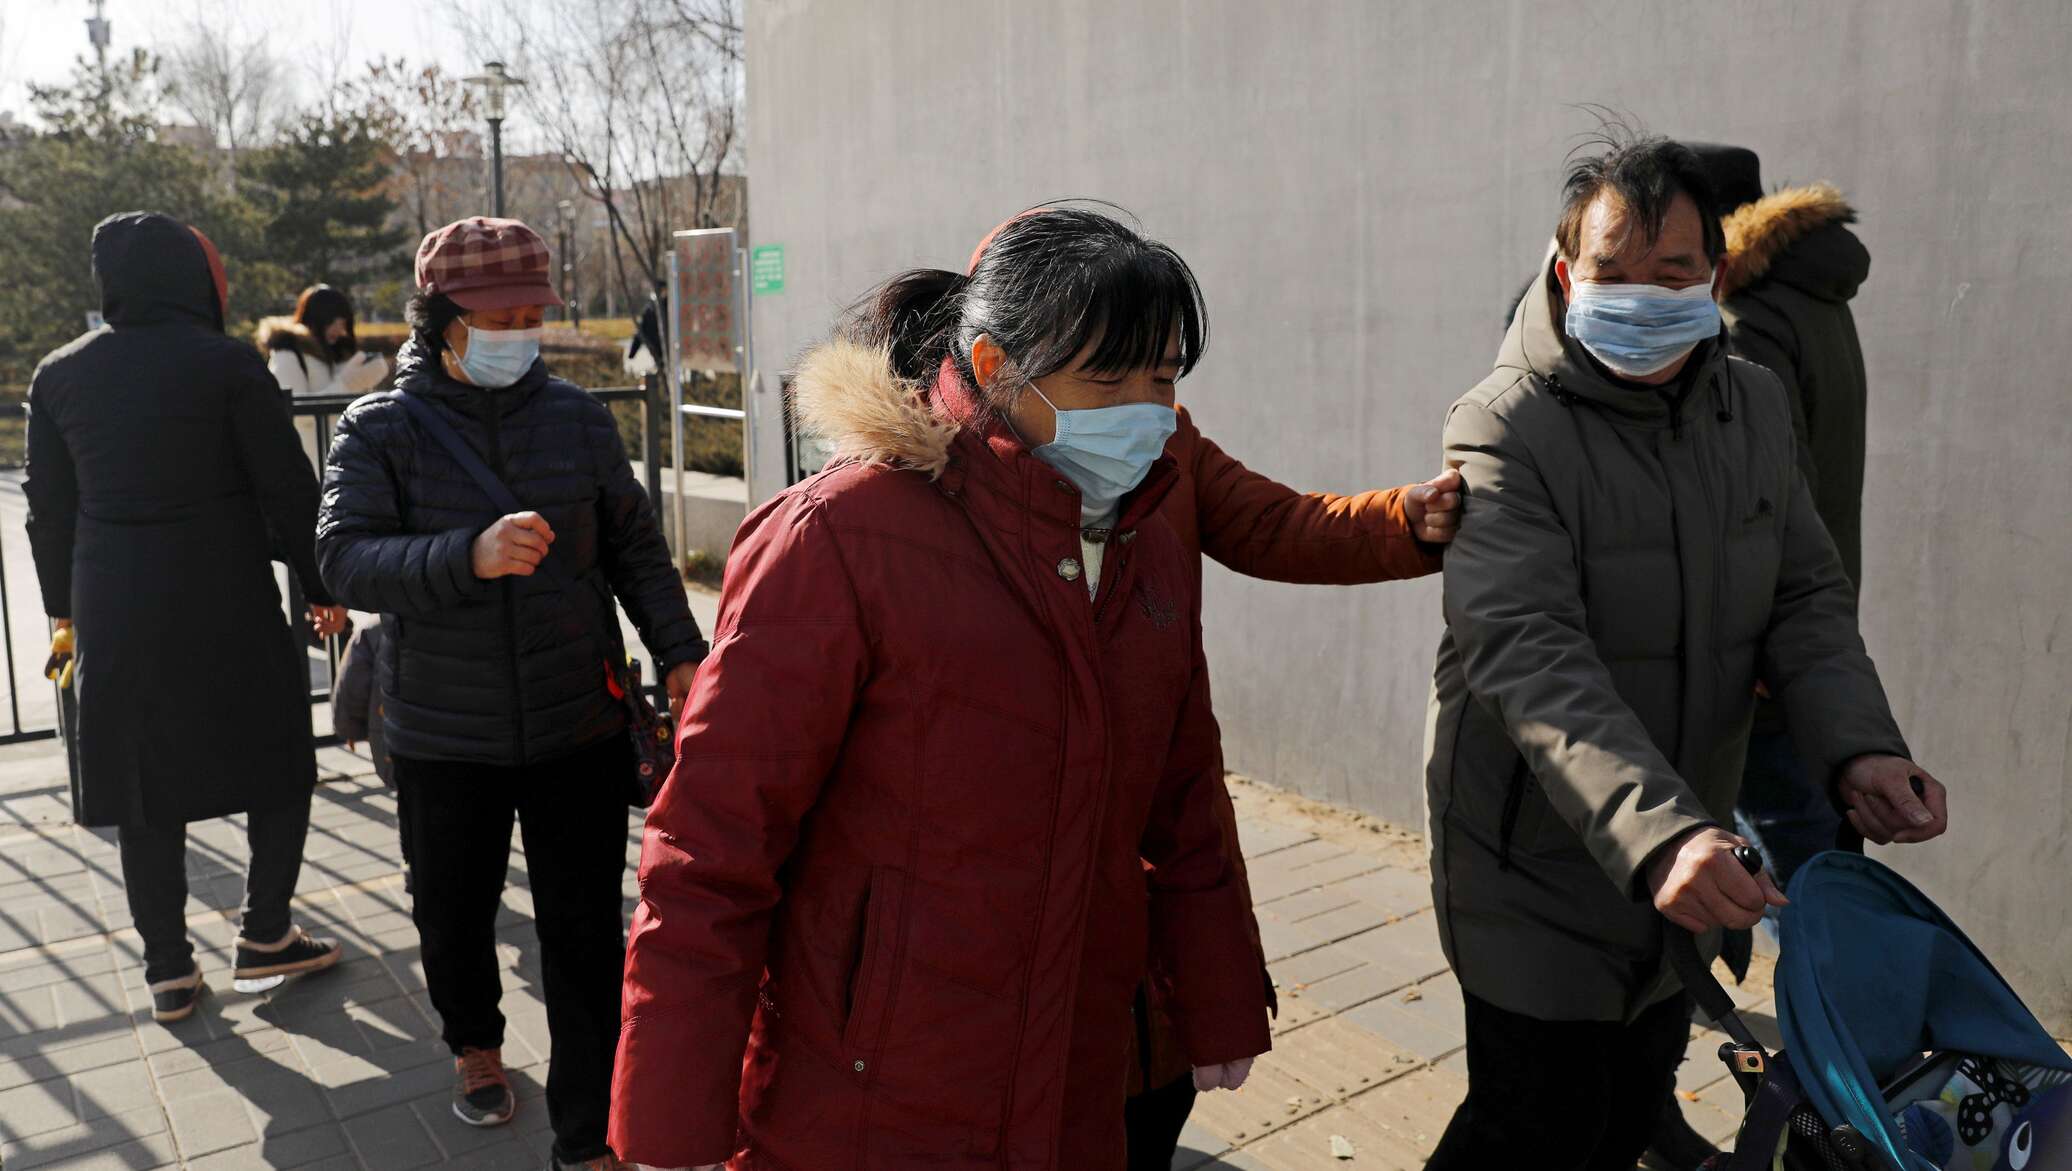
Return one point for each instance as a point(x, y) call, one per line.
point(39, 39)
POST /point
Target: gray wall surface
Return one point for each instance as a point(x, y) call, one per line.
point(1362, 186)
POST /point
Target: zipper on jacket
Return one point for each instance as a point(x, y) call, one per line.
point(1514, 803)
point(496, 462)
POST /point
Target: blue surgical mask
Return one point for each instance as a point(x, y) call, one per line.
point(1638, 330)
point(496, 358)
point(1107, 451)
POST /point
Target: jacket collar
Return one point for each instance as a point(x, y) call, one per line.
point(1538, 345)
point(850, 396)
point(424, 374)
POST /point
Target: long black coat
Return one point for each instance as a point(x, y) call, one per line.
point(502, 672)
point(163, 473)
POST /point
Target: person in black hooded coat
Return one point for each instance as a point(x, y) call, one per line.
point(163, 473)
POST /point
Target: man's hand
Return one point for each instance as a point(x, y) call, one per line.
point(679, 685)
point(1434, 507)
point(1698, 884)
point(514, 545)
point(1228, 1075)
point(1892, 799)
point(327, 620)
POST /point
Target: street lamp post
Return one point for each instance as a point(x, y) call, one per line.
point(494, 80)
point(571, 276)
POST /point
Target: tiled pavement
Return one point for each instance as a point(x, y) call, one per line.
point(343, 1070)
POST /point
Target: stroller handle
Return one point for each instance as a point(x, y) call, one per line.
point(1681, 948)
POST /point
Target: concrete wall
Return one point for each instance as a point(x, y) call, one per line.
point(1362, 186)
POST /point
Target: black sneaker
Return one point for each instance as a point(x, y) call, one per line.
point(1676, 1147)
point(481, 1092)
point(262, 967)
point(174, 1000)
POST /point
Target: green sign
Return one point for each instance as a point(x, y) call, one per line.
point(766, 268)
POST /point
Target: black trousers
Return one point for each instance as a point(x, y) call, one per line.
point(572, 814)
point(154, 878)
point(1563, 1095)
point(1153, 1121)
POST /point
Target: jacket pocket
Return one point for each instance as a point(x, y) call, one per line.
point(1519, 829)
point(870, 985)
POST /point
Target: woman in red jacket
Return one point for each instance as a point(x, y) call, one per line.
point(956, 695)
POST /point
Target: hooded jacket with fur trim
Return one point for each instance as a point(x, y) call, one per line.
point(1792, 267)
point(901, 862)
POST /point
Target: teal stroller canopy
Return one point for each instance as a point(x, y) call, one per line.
point(1871, 976)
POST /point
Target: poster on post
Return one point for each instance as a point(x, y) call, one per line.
point(707, 301)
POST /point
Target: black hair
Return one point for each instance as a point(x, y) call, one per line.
point(1047, 285)
point(1646, 173)
point(429, 314)
point(317, 308)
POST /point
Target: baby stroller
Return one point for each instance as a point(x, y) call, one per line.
point(1903, 1049)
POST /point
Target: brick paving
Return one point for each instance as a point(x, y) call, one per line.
point(344, 1070)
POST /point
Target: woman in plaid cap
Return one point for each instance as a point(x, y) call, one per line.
point(495, 691)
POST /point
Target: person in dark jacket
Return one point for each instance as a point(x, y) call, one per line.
point(1791, 268)
point(160, 456)
point(356, 717)
point(494, 689)
point(356, 702)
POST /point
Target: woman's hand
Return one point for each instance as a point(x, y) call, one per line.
point(513, 546)
point(1228, 1075)
point(328, 620)
point(679, 685)
point(1434, 507)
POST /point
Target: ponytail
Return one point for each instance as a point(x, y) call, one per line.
point(914, 317)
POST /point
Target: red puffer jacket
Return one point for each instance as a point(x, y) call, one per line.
point(898, 861)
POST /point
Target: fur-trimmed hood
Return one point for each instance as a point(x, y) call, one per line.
point(286, 333)
point(848, 394)
point(1785, 236)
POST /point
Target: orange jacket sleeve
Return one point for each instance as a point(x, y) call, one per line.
point(1262, 528)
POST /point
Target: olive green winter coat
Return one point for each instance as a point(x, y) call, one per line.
point(1627, 567)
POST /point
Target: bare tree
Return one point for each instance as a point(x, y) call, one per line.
point(640, 99)
point(227, 83)
point(428, 116)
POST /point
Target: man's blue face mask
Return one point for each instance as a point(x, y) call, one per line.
point(1638, 330)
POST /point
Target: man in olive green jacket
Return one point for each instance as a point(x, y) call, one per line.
point(1638, 547)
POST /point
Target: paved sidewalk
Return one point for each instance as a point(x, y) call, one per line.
point(344, 1070)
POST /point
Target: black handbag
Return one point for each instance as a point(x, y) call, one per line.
point(653, 736)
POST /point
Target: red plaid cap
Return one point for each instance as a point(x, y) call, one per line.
point(484, 263)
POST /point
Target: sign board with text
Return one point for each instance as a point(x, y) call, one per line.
point(707, 301)
point(766, 269)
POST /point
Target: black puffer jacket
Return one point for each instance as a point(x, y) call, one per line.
point(499, 672)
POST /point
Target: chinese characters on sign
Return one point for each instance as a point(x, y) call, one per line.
point(708, 320)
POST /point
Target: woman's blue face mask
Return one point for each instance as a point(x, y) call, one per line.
point(1638, 330)
point(496, 358)
point(1106, 451)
